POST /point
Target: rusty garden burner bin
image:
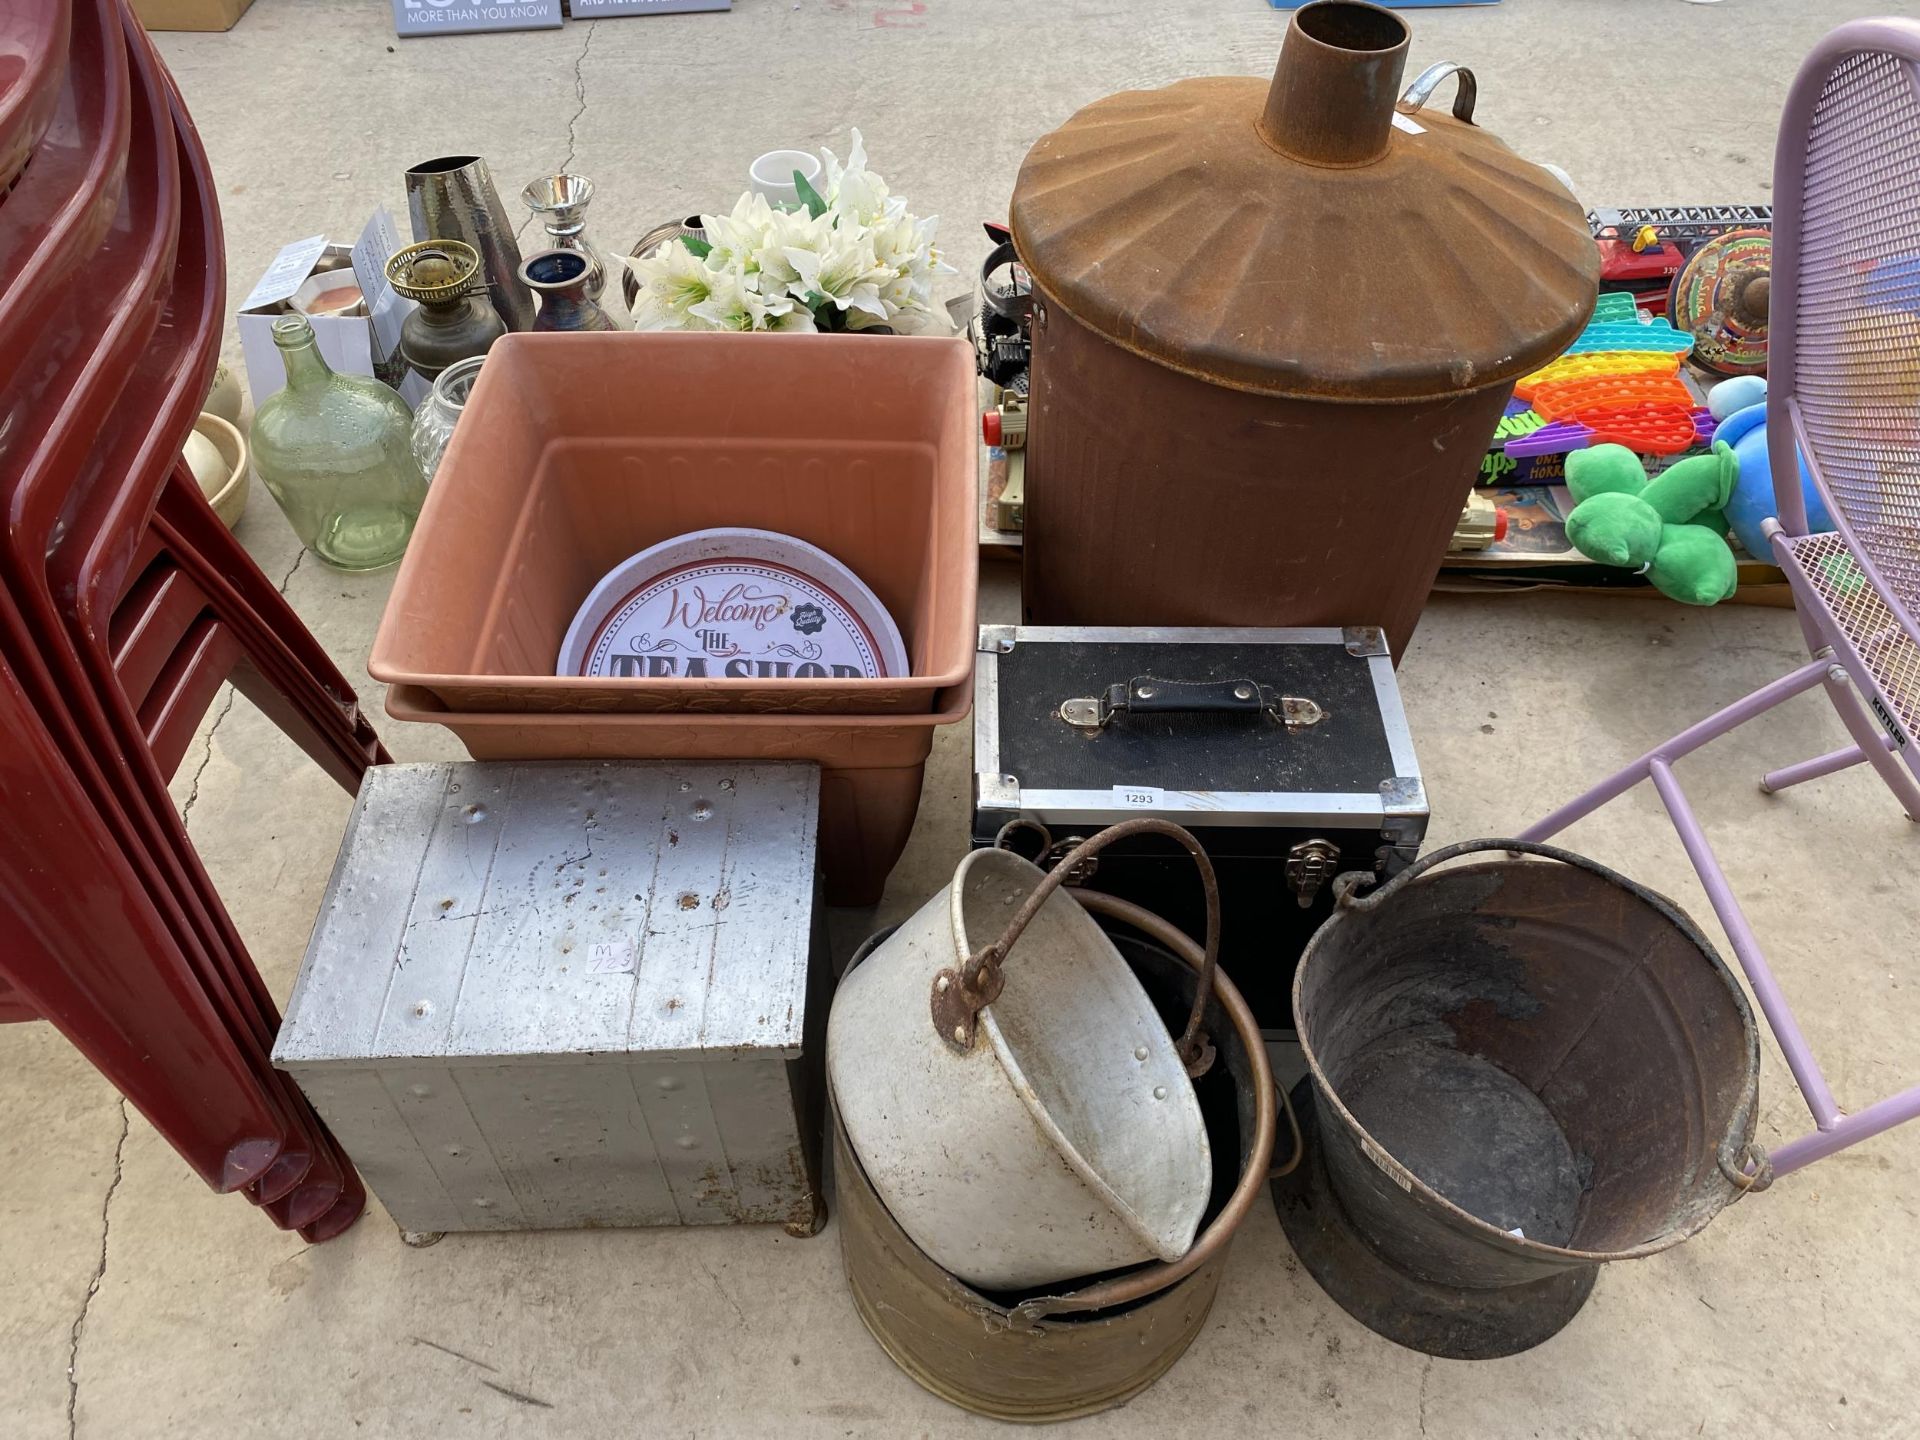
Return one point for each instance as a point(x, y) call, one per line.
point(1516, 1072)
point(1084, 1347)
point(1274, 329)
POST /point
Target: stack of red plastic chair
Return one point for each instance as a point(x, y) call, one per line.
point(125, 605)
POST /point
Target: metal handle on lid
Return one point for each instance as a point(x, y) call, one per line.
point(1254, 1172)
point(1428, 80)
point(960, 995)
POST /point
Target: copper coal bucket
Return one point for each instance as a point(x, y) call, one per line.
point(1274, 329)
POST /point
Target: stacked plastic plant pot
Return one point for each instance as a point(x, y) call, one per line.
point(577, 452)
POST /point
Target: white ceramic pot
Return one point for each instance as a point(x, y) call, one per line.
point(223, 483)
point(771, 176)
point(226, 397)
point(1065, 1140)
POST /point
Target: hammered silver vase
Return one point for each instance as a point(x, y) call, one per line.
point(453, 198)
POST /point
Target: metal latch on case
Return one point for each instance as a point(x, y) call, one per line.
point(1146, 695)
point(1310, 864)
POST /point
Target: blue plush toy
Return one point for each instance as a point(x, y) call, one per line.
point(1751, 503)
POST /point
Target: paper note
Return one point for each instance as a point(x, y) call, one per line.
point(371, 252)
point(291, 266)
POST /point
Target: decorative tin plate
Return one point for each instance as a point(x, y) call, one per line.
point(733, 604)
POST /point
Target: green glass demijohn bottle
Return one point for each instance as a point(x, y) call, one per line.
point(336, 452)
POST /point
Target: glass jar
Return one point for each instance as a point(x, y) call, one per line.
point(335, 451)
point(433, 422)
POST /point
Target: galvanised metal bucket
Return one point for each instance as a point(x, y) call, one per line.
point(1519, 1072)
point(1042, 1356)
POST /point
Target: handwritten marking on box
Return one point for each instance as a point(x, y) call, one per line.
point(612, 957)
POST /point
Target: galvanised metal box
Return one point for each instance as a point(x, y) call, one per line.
point(557, 994)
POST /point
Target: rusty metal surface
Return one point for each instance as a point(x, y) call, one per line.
point(1520, 1071)
point(1444, 1320)
point(1272, 302)
point(1338, 74)
point(1160, 499)
point(1289, 239)
point(1045, 1356)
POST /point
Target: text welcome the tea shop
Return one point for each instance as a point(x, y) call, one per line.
point(740, 605)
point(695, 667)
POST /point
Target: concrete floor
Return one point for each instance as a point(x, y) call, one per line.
point(137, 1304)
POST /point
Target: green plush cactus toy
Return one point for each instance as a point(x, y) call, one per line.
point(1669, 528)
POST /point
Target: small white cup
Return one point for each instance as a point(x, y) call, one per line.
point(771, 176)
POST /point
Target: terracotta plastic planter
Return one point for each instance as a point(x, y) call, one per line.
point(577, 451)
point(871, 765)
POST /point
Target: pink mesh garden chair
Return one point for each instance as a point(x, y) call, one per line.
point(1844, 383)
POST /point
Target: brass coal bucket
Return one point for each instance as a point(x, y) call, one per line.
point(1052, 1356)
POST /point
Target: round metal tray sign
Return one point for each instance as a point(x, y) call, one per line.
point(733, 604)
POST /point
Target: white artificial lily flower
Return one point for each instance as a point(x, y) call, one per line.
point(761, 268)
point(852, 191)
point(786, 231)
point(737, 238)
point(673, 280)
point(796, 318)
point(845, 273)
point(731, 305)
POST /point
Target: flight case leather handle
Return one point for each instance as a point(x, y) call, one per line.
point(1150, 695)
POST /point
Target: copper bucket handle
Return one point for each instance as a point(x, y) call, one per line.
point(960, 995)
point(1254, 1173)
point(1428, 80)
point(1743, 1162)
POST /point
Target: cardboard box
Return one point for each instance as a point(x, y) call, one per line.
point(354, 344)
point(190, 14)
